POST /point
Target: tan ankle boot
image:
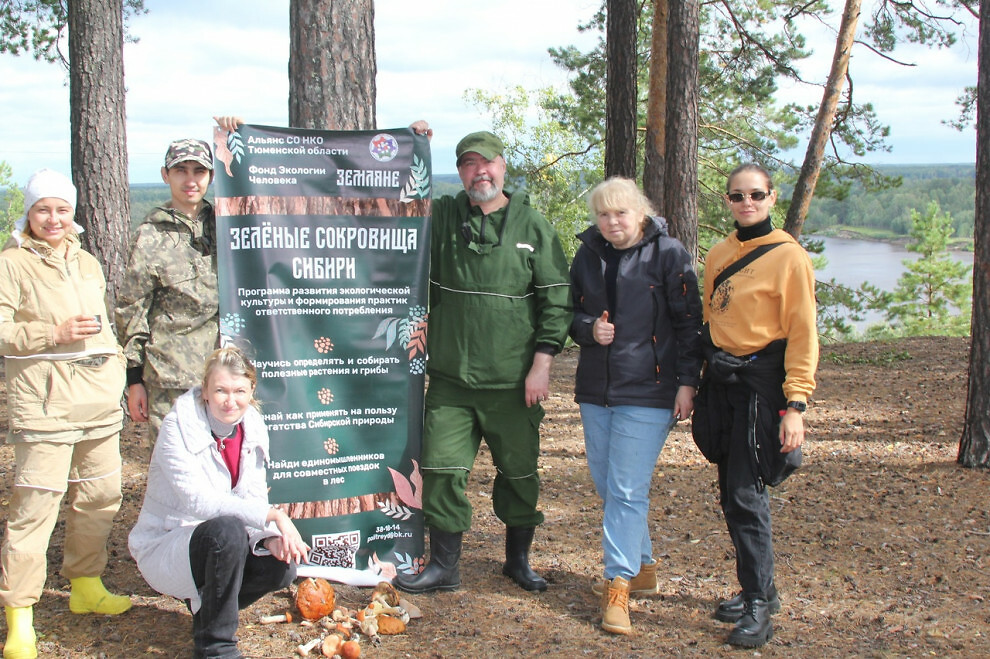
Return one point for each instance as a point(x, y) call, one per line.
point(615, 606)
point(643, 584)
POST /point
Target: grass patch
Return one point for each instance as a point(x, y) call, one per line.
point(882, 358)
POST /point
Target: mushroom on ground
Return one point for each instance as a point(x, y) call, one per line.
point(350, 650)
point(389, 625)
point(315, 598)
point(331, 645)
point(304, 650)
point(386, 593)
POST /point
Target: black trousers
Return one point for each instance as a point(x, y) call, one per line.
point(745, 504)
point(228, 577)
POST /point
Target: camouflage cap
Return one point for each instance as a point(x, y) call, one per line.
point(188, 149)
point(486, 144)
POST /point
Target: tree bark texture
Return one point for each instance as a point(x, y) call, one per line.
point(654, 164)
point(99, 142)
point(338, 507)
point(681, 176)
point(620, 93)
point(255, 205)
point(804, 188)
point(332, 65)
point(974, 445)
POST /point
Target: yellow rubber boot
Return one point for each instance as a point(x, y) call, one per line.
point(89, 596)
point(21, 642)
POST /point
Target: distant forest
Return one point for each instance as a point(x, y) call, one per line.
point(145, 196)
point(952, 186)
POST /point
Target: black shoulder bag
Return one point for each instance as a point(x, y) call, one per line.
point(722, 366)
point(708, 427)
point(741, 263)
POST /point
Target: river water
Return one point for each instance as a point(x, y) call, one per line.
point(853, 262)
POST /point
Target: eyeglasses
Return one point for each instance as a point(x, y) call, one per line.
point(757, 195)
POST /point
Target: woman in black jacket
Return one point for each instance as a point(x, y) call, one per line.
point(637, 314)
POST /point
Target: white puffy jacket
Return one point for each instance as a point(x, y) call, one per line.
point(189, 483)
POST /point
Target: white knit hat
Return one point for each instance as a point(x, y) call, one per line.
point(47, 183)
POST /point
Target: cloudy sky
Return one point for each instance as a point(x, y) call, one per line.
point(197, 59)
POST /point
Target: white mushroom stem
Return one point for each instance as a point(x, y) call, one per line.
point(369, 627)
point(304, 650)
point(381, 608)
point(281, 617)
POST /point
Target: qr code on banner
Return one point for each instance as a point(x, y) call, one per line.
point(335, 549)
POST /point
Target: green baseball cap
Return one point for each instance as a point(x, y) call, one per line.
point(485, 144)
point(188, 149)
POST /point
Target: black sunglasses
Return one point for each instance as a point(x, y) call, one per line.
point(758, 195)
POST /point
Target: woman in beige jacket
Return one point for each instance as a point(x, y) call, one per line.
point(65, 376)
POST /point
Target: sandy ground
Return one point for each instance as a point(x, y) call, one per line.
point(882, 542)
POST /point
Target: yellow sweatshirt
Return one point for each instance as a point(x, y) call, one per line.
point(771, 298)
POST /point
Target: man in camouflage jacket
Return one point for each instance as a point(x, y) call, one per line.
point(167, 306)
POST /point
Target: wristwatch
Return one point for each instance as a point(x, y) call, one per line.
point(798, 405)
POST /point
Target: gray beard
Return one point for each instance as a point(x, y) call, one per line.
point(481, 196)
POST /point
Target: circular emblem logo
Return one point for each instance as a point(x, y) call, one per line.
point(383, 147)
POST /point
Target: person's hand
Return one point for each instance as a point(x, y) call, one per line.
point(603, 331)
point(229, 124)
point(684, 402)
point(420, 127)
point(289, 547)
point(76, 328)
point(791, 430)
point(538, 379)
point(137, 402)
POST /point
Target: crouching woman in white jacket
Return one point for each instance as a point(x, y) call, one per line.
point(206, 533)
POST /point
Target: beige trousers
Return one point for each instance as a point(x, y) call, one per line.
point(89, 471)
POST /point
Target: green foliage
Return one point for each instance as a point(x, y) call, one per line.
point(885, 357)
point(967, 110)
point(11, 202)
point(146, 196)
point(839, 306)
point(889, 208)
point(38, 26)
point(746, 50)
point(554, 165)
point(934, 295)
point(32, 26)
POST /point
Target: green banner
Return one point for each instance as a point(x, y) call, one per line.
point(323, 248)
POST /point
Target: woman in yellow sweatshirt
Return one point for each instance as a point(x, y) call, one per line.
point(765, 314)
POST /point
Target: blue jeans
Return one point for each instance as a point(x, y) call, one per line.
point(622, 444)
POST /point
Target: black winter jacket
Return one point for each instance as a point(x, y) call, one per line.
point(657, 345)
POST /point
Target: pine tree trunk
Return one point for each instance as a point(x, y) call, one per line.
point(332, 65)
point(654, 165)
point(974, 445)
point(620, 92)
point(804, 188)
point(681, 176)
point(99, 143)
